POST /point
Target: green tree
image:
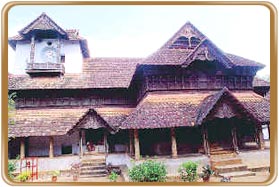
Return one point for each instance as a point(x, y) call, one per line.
point(11, 108)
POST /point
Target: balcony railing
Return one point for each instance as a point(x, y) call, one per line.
point(45, 68)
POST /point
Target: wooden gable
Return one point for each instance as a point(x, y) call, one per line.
point(42, 23)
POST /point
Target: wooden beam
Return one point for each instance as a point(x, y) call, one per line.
point(173, 143)
point(136, 143)
point(22, 148)
point(51, 152)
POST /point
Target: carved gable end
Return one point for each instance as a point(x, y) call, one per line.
point(92, 121)
point(43, 22)
point(223, 110)
point(206, 51)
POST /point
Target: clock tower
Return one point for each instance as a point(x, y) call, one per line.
point(45, 49)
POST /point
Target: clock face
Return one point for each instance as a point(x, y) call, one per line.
point(49, 55)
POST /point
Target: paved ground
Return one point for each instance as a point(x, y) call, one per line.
point(253, 159)
point(260, 177)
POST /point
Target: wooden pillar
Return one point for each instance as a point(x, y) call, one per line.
point(51, 152)
point(106, 142)
point(268, 128)
point(173, 143)
point(131, 147)
point(136, 143)
point(22, 148)
point(32, 51)
point(260, 138)
point(205, 140)
point(58, 51)
point(81, 142)
point(234, 139)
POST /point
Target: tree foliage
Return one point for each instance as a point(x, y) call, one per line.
point(11, 107)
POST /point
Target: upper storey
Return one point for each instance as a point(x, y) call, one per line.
point(188, 60)
point(44, 48)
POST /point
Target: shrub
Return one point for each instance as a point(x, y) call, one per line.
point(113, 176)
point(55, 173)
point(206, 171)
point(148, 171)
point(23, 176)
point(188, 171)
point(12, 167)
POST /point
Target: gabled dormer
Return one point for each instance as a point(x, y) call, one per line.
point(43, 48)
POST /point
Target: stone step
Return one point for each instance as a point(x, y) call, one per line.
point(224, 161)
point(93, 164)
point(94, 160)
point(259, 168)
point(94, 167)
point(236, 174)
point(94, 175)
point(230, 168)
point(95, 172)
point(221, 152)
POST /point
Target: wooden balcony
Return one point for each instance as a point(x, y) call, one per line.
point(45, 68)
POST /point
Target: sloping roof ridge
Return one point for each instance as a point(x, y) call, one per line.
point(46, 17)
point(230, 56)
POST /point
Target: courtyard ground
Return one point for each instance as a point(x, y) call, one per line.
point(257, 161)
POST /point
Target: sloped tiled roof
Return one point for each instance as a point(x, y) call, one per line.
point(165, 110)
point(60, 121)
point(98, 73)
point(168, 56)
point(240, 61)
point(184, 56)
point(258, 106)
point(258, 82)
point(267, 96)
point(44, 122)
point(248, 103)
point(190, 109)
point(114, 115)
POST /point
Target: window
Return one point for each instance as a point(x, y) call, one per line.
point(62, 58)
point(194, 42)
point(66, 149)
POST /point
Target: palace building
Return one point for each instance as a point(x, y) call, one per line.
point(187, 98)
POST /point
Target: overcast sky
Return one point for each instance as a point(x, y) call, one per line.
point(138, 31)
